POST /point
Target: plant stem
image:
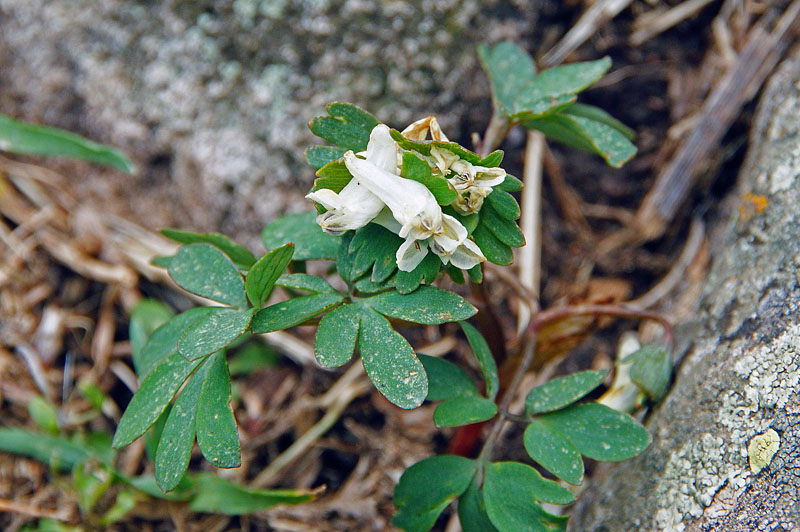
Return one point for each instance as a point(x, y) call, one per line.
point(524, 365)
point(495, 132)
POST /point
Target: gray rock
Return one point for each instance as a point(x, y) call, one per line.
point(742, 373)
point(212, 97)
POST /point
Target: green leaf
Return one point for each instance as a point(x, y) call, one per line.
point(152, 398)
point(217, 435)
point(319, 156)
point(510, 184)
point(464, 410)
point(374, 247)
point(586, 134)
point(505, 230)
point(124, 503)
point(494, 250)
point(472, 511)
point(427, 270)
point(504, 203)
point(92, 393)
point(651, 369)
point(164, 340)
point(476, 274)
point(147, 484)
point(555, 83)
point(302, 281)
point(262, 276)
point(292, 312)
point(336, 336)
point(428, 305)
point(219, 496)
point(418, 170)
point(531, 110)
point(153, 435)
point(347, 126)
point(301, 230)
point(510, 491)
point(367, 286)
point(147, 316)
point(90, 481)
point(214, 331)
point(562, 391)
point(553, 451)
point(390, 361)
point(598, 115)
point(427, 487)
point(43, 413)
point(30, 139)
point(445, 379)
point(492, 160)
point(334, 176)
point(599, 432)
point(484, 357)
point(456, 274)
point(177, 438)
point(239, 254)
point(55, 451)
point(515, 476)
point(509, 68)
point(204, 270)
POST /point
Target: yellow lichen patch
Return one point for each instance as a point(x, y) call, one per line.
point(752, 204)
point(761, 449)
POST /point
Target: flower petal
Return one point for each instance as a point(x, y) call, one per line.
point(352, 208)
point(410, 254)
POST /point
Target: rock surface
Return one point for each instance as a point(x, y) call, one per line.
point(212, 97)
point(742, 373)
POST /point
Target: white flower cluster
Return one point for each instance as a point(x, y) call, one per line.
point(377, 193)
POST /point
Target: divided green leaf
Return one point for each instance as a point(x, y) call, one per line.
point(586, 134)
point(504, 203)
point(510, 184)
point(319, 156)
point(599, 432)
point(390, 362)
point(427, 487)
point(510, 68)
point(336, 336)
point(262, 275)
point(219, 496)
point(427, 304)
point(562, 391)
point(204, 270)
point(464, 410)
point(553, 451)
point(239, 254)
point(217, 435)
point(164, 340)
point(506, 231)
point(347, 126)
point(510, 492)
point(147, 316)
point(494, 250)
point(152, 398)
point(31, 139)
point(427, 270)
point(418, 170)
point(301, 230)
point(215, 331)
point(293, 312)
point(334, 176)
point(598, 115)
point(302, 281)
point(445, 379)
point(374, 247)
point(484, 357)
point(472, 511)
point(177, 437)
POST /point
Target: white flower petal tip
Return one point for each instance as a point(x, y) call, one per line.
point(352, 208)
point(382, 149)
point(419, 130)
point(410, 254)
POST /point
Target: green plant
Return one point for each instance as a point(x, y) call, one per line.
point(394, 210)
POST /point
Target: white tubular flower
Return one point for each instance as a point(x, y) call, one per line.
point(355, 206)
point(472, 182)
point(352, 208)
point(412, 205)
